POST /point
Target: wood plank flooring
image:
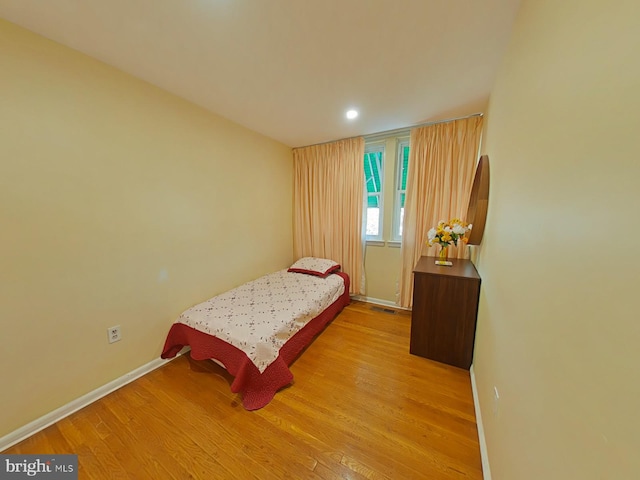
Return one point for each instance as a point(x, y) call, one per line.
point(360, 407)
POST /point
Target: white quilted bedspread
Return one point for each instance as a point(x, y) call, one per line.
point(260, 316)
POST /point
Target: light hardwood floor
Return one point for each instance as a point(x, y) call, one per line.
point(360, 407)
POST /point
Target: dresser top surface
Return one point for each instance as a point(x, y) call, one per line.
point(460, 268)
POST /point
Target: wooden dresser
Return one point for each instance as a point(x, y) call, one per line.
point(445, 309)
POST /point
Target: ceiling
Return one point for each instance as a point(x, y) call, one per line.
point(290, 69)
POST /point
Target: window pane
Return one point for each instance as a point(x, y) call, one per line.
point(373, 221)
point(372, 168)
point(402, 165)
point(373, 175)
point(405, 164)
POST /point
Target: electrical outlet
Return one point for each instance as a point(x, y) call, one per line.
point(114, 334)
point(496, 401)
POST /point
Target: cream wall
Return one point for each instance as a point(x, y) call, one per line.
point(119, 204)
point(558, 327)
point(382, 270)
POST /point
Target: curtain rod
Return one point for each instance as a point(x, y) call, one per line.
point(395, 130)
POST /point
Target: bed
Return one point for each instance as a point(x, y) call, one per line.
point(255, 331)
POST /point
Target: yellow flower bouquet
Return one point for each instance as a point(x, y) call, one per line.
point(447, 234)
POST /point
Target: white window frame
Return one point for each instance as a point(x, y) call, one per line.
point(396, 236)
point(377, 147)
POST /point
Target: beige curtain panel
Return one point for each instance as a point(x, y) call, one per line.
point(442, 163)
point(328, 204)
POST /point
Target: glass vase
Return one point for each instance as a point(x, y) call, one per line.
point(443, 255)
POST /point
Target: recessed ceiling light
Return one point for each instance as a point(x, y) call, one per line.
point(351, 114)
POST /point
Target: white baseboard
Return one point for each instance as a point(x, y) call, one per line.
point(484, 454)
point(58, 414)
point(378, 301)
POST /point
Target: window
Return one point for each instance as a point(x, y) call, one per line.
point(386, 181)
point(402, 164)
point(373, 173)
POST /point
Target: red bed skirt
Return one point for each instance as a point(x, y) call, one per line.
point(257, 389)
